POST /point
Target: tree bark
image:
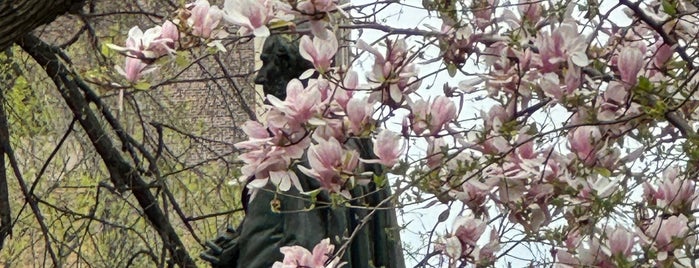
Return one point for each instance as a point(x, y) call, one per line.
point(18, 17)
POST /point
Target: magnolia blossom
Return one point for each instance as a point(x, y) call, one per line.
point(666, 234)
point(204, 18)
point(674, 192)
point(391, 73)
point(433, 115)
point(316, 6)
point(462, 240)
point(583, 142)
point(359, 111)
point(150, 44)
point(251, 15)
point(344, 93)
point(434, 152)
point(319, 51)
point(153, 43)
point(662, 53)
point(330, 164)
point(387, 148)
point(551, 86)
point(297, 256)
point(563, 44)
point(630, 63)
point(620, 242)
point(301, 104)
point(169, 34)
point(268, 156)
point(134, 69)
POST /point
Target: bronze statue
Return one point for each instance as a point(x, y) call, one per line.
point(256, 242)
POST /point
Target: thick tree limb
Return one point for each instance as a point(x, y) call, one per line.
point(18, 17)
point(123, 175)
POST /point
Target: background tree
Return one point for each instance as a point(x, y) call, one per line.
point(98, 173)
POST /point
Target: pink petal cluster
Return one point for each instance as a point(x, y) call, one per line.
point(563, 44)
point(268, 155)
point(310, 7)
point(387, 148)
point(204, 18)
point(331, 165)
point(359, 111)
point(143, 47)
point(251, 15)
point(392, 75)
point(133, 69)
point(297, 256)
point(301, 104)
point(630, 63)
point(583, 142)
point(666, 234)
point(433, 115)
point(674, 192)
point(620, 242)
point(464, 236)
point(319, 51)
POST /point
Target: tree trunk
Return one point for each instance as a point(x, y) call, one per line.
point(18, 17)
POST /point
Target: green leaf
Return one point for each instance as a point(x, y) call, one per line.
point(142, 85)
point(669, 8)
point(380, 180)
point(451, 69)
point(644, 84)
point(181, 60)
point(603, 171)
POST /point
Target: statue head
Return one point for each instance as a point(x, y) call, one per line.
point(281, 62)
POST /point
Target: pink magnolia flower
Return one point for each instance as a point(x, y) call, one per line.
point(432, 116)
point(387, 148)
point(674, 192)
point(300, 105)
point(551, 86)
point(319, 51)
point(297, 256)
point(268, 156)
point(613, 102)
point(620, 242)
point(530, 10)
point(563, 44)
point(310, 7)
point(330, 164)
point(145, 45)
point(133, 70)
point(169, 35)
point(583, 142)
point(496, 116)
point(344, 93)
point(434, 152)
point(391, 74)
point(662, 54)
point(483, 12)
point(630, 63)
point(466, 232)
point(662, 232)
point(359, 111)
point(251, 15)
point(204, 18)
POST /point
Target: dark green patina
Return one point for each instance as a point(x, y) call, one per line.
point(256, 242)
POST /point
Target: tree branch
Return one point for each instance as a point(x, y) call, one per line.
point(122, 174)
point(19, 17)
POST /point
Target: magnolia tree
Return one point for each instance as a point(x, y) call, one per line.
point(569, 140)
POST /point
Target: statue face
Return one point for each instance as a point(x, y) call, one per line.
point(281, 62)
